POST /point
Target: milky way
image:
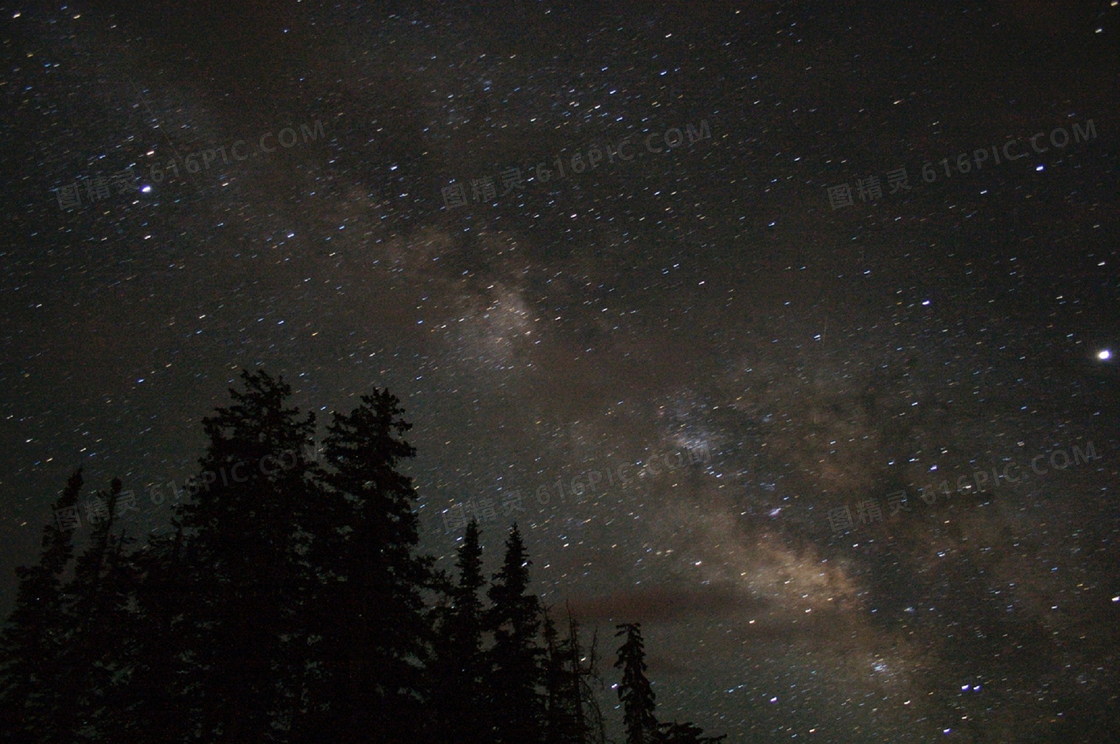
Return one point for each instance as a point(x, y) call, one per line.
point(701, 318)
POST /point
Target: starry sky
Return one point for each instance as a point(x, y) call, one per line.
point(767, 293)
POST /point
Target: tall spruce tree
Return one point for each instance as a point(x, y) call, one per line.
point(33, 644)
point(246, 529)
point(375, 633)
point(288, 606)
point(96, 610)
point(457, 670)
point(157, 700)
point(515, 659)
point(635, 692)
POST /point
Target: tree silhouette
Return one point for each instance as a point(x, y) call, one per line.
point(683, 733)
point(33, 643)
point(374, 632)
point(514, 661)
point(289, 604)
point(156, 702)
point(458, 670)
point(96, 609)
point(246, 535)
point(635, 692)
point(572, 711)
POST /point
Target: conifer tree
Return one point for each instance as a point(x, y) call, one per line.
point(33, 642)
point(289, 606)
point(457, 669)
point(635, 692)
point(376, 633)
point(247, 532)
point(514, 661)
point(156, 703)
point(95, 608)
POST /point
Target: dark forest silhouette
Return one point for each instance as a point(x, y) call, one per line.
point(290, 604)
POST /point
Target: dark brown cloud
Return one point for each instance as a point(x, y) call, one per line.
point(663, 603)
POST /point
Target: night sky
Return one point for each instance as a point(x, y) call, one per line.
point(774, 366)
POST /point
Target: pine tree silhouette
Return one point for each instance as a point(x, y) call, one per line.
point(246, 536)
point(639, 701)
point(157, 703)
point(634, 692)
point(374, 633)
point(515, 659)
point(290, 605)
point(32, 645)
point(95, 608)
point(458, 669)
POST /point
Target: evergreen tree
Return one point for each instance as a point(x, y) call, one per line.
point(95, 607)
point(514, 669)
point(289, 606)
point(34, 640)
point(156, 702)
point(374, 633)
point(635, 692)
point(246, 532)
point(458, 670)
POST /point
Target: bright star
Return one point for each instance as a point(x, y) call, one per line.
point(1104, 355)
